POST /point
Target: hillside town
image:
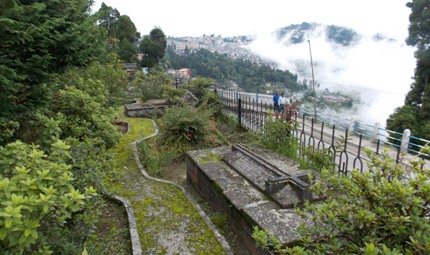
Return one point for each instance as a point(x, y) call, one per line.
point(235, 47)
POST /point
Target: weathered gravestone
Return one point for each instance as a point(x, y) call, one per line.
point(254, 187)
point(190, 99)
point(150, 108)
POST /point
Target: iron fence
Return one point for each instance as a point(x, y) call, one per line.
point(345, 144)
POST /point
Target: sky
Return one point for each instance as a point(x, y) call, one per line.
point(237, 17)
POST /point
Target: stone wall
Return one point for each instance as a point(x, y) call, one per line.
point(145, 112)
point(240, 223)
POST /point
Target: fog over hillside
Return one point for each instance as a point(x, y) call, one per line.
point(375, 67)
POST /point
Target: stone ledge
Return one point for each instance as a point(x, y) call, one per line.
point(132, 225)
point(229, 192)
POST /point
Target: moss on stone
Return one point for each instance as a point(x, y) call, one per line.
point(210, 157)
point(162, 210)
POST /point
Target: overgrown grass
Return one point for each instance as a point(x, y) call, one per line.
point(111, 235)
point(232, 132)
point(277, 137)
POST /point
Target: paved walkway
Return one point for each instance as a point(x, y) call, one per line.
point(168, 223)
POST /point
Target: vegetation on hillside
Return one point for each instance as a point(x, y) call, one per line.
point(60, 81)
point(298, 33)
point(121, 31)
point(153, 47)
point(249, 76)
point(415, 113)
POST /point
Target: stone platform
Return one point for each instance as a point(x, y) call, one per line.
point(253, 186)
point(151, 108)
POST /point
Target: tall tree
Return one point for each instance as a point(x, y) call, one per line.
point(108, 18)
point(417, 102)
point(121, 31)
point(39, 39)
point(153, 46)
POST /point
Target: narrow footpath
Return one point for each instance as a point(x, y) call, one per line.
point(167, 222)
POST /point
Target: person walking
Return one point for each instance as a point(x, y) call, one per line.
point(281, 103)
point(276, 102)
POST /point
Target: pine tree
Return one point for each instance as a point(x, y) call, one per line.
point(38, 40)
point(415, 114)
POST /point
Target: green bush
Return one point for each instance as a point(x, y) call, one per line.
point(173, 95)
point(152, 85)
point(382, 211)
point(36, 195)
point(277, 136)
point(199, 86)
point(313, 158)
point(154, 159)
point(182, 126)
point(213, 102)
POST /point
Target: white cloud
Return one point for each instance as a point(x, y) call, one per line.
point(234, 17)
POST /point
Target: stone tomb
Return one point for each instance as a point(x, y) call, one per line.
point(153, 107)
point(254, 187)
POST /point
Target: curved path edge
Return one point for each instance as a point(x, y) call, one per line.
point(132, 225)
point(221, 239)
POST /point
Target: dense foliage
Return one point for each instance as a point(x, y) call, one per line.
point(59, 85)
point(249, 76)
point(415, 114)
point(152, 85)
point(40, 39)
point(153, 47)
point(199, 86)
point(122, 32)
point(184, 126)
point(382, 211)
point(37, 195)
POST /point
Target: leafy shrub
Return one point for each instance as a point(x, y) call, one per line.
point(173, 95)
point(8, 128)
point(37, 195)
point(213, 102)
point(156, 158)
point(184, 126)
point(199, 86)
point(152, 85)
point(82, 117)
point(277, 136)
point(105, 83)
point(313, 158)
point(382, 211)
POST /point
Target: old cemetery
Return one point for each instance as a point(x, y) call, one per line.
point(216, 175)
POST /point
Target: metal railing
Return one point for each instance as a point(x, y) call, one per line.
point(345, 140)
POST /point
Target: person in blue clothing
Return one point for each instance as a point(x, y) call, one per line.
point(276, 102)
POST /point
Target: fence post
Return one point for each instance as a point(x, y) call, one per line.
point(375, 132)
point(405, 140)
point(256, 97)
point(351, 125)
point(239, 111)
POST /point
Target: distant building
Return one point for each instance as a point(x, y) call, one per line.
point(185, 73)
